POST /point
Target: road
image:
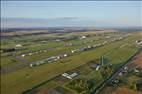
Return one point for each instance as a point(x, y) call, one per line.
point(102, 85)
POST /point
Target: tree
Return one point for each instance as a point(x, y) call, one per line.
point(106, 71)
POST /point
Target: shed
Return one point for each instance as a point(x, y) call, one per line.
point(18, 45)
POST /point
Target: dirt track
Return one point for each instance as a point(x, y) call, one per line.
point(125, 91)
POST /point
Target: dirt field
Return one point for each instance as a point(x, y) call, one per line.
point(138, 60)
point(125, 91)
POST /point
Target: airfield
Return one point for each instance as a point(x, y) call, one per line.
point(65, 63)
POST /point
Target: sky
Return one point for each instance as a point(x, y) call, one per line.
point(71, 13)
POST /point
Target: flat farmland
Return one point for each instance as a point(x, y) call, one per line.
point(116, 53)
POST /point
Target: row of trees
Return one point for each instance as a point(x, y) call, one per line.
point(106, 70)
point(81, 85)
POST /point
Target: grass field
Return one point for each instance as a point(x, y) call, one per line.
point(26, 78)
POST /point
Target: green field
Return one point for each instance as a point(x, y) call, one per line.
point(26, 78)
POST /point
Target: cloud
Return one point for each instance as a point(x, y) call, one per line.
point(63, 22)
point(127, 21)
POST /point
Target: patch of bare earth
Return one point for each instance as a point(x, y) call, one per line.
point(138, 60)
point(125, 91)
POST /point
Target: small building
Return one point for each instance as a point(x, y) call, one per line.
point(30, 53)
point(83, 37)
point(136, 71)
point(95, 66)
point(18, 45)
point(89, 46)
point(31, 65)
point(51, 58)
point(43, 41)
point(98, 67)
point(55, 59)
point(58, 57)
point(72, 51)
point(65, 74)
point(125, 68)
point(70, 76)
point(139, 42)
point(23, 55)
point(65, 55)
point(94, 46)
point(57, 40)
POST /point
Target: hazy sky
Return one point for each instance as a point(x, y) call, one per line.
point(72, 13)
